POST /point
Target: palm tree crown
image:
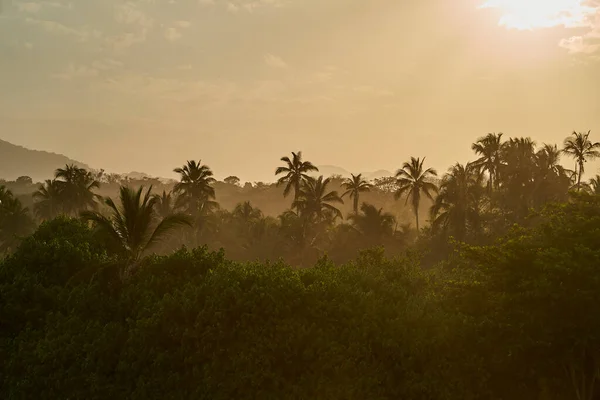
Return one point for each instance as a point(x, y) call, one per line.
point(372, 222)
point(315, 200)
point(133, 226)
point(581, 148)
point(354, 187)
point(457, 206)
point(195, 186)
point(296, 172)
point(76, 187)
point(489, 148)
point(413, 180)
point(48, 200)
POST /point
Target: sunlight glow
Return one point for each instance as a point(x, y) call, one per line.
point(536, 14)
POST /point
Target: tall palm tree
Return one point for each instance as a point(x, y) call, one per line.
point(76, 186)
point(413, 180)
point(15, 221)
point(489, 148)
point(457, 206)
point(372, 222)
point(551, 181)
point(195, 186)
point(48, 200)
point(354, 187)
point(581, 148)
point(296, 172)
point(133, 226)
point(314, 199)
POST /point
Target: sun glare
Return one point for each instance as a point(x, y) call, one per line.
point(536, 14)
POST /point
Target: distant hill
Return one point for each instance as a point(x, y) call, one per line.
point(16, 161)
point(329, 170)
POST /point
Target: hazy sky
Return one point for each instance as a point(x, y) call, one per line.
point(364, 84)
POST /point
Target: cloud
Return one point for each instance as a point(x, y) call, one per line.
point(58, 28)
point(183, 24)
point(274, 61)
point(29, 7)
point(106, 64)
point(172, 34)
point(130, 14)
point(73, 72)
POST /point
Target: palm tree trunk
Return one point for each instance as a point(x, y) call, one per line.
point(579, 176)
point(417, 217)
point(356, 204)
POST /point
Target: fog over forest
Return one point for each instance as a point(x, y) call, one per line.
point(300, 199)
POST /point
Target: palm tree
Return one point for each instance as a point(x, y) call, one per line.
point(134, 227)
point(413, 181)
point(457, 206)
point(48, 200)
point(594, 185)
point(247, 214)
point(165, 204)
point(76, 187)
point(551, 181)
point(296, 172)
point(372, 222)
point(354, 187)
point(195, 186)
point(315, 200)
point(579, 146)
point(489, 148)
point(15, 221)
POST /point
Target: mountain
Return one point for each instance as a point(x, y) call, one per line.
point(16, 161)
point(329, 170)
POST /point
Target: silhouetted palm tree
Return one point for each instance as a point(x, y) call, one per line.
point(133, 226)
point(48, 200)
point(165, 204)
point(413, 181)
point(354, 187)
point(315, 200)
point(296, 172)
point(489, 148)
point(551, 180)
point(457, 206)
point(580, 147)
point(15, 221)
point(76, 187)
point(247, 214)
point(594, 185)
point(373, 222)
point(195, 187)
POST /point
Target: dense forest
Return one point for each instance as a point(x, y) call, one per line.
point(473, 284)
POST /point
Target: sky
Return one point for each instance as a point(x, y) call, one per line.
point(145, 85)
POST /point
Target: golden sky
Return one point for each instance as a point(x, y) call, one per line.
point(144, 85)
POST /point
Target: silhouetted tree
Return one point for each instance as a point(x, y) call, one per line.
point(76, 187)
point(594, 185)
point(314, 199)
point(15, 221)
point(354, 187)
point(232, 180)
point(195, 187)
point(489, 148)
point(48, 200)
point(296, 172)
point(165, 204)
point(413, 181)
point(133, 226)
point(581, 148)
point(458, 205)
point(373, 223)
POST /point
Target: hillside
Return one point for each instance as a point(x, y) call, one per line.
point(18, 161)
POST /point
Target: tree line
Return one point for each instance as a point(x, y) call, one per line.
point(473, 202)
